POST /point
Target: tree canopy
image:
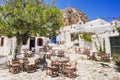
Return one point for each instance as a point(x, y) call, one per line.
point(26, 18)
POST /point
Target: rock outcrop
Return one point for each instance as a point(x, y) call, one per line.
point(73, 16)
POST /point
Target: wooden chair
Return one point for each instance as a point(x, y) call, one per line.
point(42, 57)
point(92, 56)
point(73, 65)
point(69, 68)
point(14, 66)
point(25, 63)
point(52, 68)
point(30, 65)
point(55, 68)
point(60, 53)
point(53, 52)
point(37, 63)
point(87, 53)
point(104, 57)
point(26, 54)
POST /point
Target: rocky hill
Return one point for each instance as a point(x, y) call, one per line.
point(73, 16)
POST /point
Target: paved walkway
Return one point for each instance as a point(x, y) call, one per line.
point(86, 70)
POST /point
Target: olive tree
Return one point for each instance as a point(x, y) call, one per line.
point(25, 18)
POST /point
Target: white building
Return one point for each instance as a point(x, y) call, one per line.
point(102, 30)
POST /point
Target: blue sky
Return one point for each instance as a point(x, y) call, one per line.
point(106, 9)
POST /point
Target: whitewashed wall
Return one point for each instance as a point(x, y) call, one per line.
point(10, 45)
point(37, 48)
point(69, 43)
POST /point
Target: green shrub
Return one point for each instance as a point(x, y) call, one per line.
point(104, 57)
point(86, 36)
point(118, 64)
point(10, 53)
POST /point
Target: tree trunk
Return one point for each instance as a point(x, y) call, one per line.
point(18, 46)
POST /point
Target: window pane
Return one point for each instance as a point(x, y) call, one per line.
point(25, 42)
point(2, 41)
point(118, 41)
point(39, 42)
point(113, 41)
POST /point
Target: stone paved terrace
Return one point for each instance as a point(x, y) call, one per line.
point(86, 70)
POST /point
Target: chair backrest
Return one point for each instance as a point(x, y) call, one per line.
point(26, 54)
point(29, 52)
point(53, 51)
point(54, 58)
point(60, 52)
point(9, 59)
point(48, 62)
point(36, 56)
point(56, 52)
point(15, 62)
point(73, 64)
point(73, 57)
point(31, 60)
point(9, 62)
point(20, 56)
point(42, 55)
point(67, 56)
point(22, 51)
point(86, 51)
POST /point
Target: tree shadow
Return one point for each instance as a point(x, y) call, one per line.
point(1, 56)
point(75, 76)
point(3, 64)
